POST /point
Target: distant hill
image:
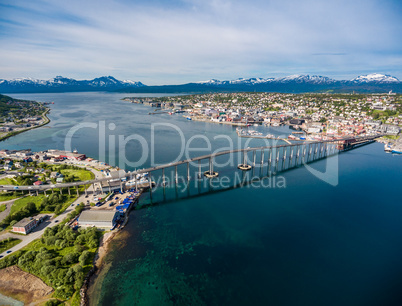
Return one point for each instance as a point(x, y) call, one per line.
point(62, 84)
point(5, 104)
point(374, 82)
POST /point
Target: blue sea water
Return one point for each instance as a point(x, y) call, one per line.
point(305, 243)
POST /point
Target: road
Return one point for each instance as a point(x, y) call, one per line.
point(38, 231)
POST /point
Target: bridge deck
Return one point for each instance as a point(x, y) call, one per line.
point(359, 140)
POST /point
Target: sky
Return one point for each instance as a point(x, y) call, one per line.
point(179, 41)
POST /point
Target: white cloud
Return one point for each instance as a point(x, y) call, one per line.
point(193, 40)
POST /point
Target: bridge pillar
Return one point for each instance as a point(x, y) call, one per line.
point(291, 157)
point(254, 158)
point(262, 158)
point(284, 158)
point(44, 190)
point(297, 155)
point(188, 171)
point(61, 192)
point(211, 173)
point(136, 183)
point(176, 176)
point(199, 168)
point(37, 192)
point(69, 192)
point(277, 160)
point(269, 162)
point(150, 185)
point(78, 192)
point(315, 151)
point(163, 177)
point(150, 181)
point(310, 153)
point(244, 166)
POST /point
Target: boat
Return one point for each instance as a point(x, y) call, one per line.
point(188, 118)
point(292, 137)
point(255, 124)
point(396, 151)
point(170, 113)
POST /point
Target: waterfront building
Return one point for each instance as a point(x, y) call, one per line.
point(98, 218)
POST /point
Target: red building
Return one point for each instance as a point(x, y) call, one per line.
point(25, 226)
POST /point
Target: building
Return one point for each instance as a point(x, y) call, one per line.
point(26, 225)
point(296, 121)
point(98, 218)
point(66, 155)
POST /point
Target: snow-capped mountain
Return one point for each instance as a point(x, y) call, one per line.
point(59, 84)
point(374, 82)
point(375, 77)
point(315, 79)
point(242, 81)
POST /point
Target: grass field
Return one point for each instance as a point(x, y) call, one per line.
point(81, 174)
point(8, 181)
point(21, 203)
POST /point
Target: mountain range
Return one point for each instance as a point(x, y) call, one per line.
point(374, 82)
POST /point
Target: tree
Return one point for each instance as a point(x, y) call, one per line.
point(53, 302)
point(84, 257)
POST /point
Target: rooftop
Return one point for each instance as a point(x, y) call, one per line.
point(97, 215)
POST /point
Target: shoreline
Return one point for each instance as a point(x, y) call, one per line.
point(44, 116)
point(97, 265)
point(102, 252)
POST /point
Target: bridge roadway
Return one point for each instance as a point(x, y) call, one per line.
point(131, 174)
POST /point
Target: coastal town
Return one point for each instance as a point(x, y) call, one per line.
point(27, 218)
point(318, 115)
point(58, 199)
point(17, 116)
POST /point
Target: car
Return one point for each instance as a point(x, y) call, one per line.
point(15, 187)
point(55, 221)
point(1, 256)
point(86, 196)
point(9, 251)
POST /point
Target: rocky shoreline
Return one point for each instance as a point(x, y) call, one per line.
point(102, 251)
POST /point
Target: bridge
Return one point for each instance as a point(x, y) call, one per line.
point(279, 158)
